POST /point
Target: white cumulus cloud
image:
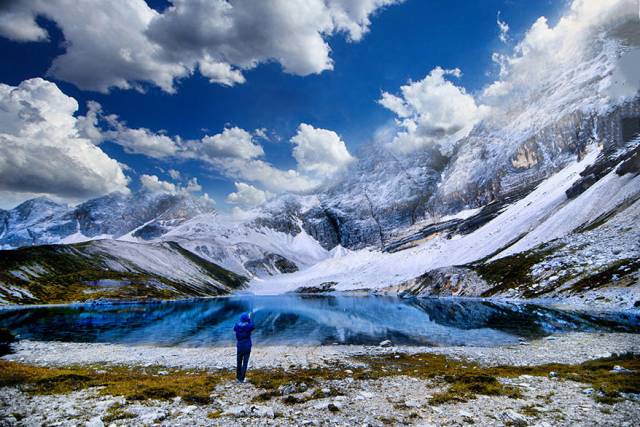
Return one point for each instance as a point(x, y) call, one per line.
point(247, 195)
point(220, 38)
point(432, 111)
point(231, 143)
point(320, 152)
point(155, 184)
point(504, 29)
point(99, 127)
point(42, 150)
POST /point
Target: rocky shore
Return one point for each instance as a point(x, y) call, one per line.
point(540, 382)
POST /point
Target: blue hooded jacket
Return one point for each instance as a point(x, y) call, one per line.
point(243, 333)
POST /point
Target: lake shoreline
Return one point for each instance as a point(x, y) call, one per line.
point(566, 304)
point(571, 347)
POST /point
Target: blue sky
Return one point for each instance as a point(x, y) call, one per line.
point(404, 42)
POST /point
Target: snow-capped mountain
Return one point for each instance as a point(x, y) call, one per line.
point(42, 221)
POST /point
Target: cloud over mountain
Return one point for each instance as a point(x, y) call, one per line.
point(41, 150)
point(247, 195)
point(432, 111)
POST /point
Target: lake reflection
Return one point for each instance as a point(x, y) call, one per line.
point(304, 320)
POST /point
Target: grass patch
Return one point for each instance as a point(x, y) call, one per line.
point(464, 380)
point(621, 268)
point(117, 412)
point(193, 387)
point(531, 410)
point(214, 414)
point(513, 271)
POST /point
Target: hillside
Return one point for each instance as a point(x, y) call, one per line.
point(109, 270)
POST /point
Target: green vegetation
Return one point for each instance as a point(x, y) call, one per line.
point(531, 410)
point(131, 383)
point(117, 412)
point(214, 414)
point(70, 273)
point(465, 380)
point(513, 271)
point(621, 268)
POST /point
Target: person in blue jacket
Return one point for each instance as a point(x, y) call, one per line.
point(243, 336)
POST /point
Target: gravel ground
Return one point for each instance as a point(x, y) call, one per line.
point(399, 400)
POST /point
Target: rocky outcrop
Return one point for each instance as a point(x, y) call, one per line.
point(631, 164)
point(445, 282)
point(322, 288)
point(270, 265)
point(628, 159)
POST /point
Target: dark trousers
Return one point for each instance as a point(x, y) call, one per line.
point(242, 363)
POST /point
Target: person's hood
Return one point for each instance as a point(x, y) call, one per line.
point(244, 318)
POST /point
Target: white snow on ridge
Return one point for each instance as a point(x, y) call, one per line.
point(372, 269)
point(78, 237)
point(230, 243)
point(159, 259)
point(603, 196)
point(464, 214)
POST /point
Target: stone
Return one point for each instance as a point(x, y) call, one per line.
point(467, 417)
point(511, 417)
point(333, 407)
point(262, 411)
point(412, 403)
point(287, 389)
point(620, 369)
point(236, 411)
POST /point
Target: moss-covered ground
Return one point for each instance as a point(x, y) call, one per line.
point(458, 380)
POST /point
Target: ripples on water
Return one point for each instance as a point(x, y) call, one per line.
point(294, 319)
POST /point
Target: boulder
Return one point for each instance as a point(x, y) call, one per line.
point(510, 417)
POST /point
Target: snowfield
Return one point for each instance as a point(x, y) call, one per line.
point(543, 215)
